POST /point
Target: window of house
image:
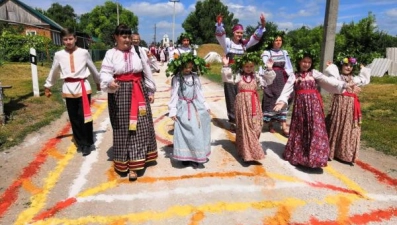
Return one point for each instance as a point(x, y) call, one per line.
point(31, 32)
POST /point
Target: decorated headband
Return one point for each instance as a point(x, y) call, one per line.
point(176, 65)
point(237, 27)
point(350, 60)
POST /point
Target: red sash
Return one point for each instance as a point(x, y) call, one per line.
point(312, 91)
point(357, 108)
point(138, 104)
point(84, 97)
point(254, 97)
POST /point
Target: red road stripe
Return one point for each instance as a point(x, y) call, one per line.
point(58, 207)
point(11, 193)
point(382, 177)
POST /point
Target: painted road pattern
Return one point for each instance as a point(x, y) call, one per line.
point(56, 185)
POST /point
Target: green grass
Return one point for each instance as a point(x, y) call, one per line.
point(24, 112)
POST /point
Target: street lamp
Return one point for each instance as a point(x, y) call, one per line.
point(173, 21)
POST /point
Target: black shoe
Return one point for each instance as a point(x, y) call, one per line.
point(86, 150)
point(185, 163)
point(79, 148)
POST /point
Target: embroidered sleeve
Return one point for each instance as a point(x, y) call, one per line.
point(54, 72)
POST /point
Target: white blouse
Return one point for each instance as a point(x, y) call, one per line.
point(363, 78)
point(118, 62)
point(175, 88)
point(327, 83)
point(264, 78)
point(78, 65)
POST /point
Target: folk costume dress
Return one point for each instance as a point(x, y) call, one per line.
point(344, 119)
point(231, 50)
point(283, 68)
point(74, 67)
point(182, 50)
point(308, 143)
point(134, 142)
point(192, 129)
point(248, 112)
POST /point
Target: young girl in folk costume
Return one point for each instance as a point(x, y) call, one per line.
point(247, 106)
point(162, 55)
point(127, 78)
point(282, 68)
point(308, 140)
point(185, 46)
point(233, 47)
point(74, 65)
point(189, 110)
point(344, 119)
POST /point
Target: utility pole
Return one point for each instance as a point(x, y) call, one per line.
point(118, 17)
point(173, 22)
point(328, 45)
point(154, 38)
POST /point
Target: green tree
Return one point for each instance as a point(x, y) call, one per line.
point(63, 15)
point(201, 22)
point(102, 21)
point(363, 40)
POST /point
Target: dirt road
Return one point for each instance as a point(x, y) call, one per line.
point(45, 181)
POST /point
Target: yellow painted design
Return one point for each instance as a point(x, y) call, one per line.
point(55, 153)
point(176, 211)
point(349, 183)
point(38, 200)
point(99, 188)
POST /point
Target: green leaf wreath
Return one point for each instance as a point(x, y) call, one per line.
point(239, 61)
point(176, 65)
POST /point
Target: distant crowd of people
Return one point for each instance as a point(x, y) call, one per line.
point(126, 74)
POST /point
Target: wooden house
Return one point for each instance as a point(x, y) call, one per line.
point(34, 23)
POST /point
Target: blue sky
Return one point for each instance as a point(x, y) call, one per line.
point(287, 14)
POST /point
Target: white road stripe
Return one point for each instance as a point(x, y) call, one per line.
point(89, 160)
point(188, 191)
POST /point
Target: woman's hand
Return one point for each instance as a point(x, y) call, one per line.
point(279, 106)
point(113, 85)
point(329, 63)
point(269, 64)
point(151, 98)
point(173, 118)
point(263, 20)
point(225, 61)
point(219, 19)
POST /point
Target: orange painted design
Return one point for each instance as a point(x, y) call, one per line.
point(55, 153)
point(382, 177)
point(71, 59)
point(119, 222)
point(366, 218)
point(343, 210)
point(30, 187)
point(197, 218)
point(282, 216)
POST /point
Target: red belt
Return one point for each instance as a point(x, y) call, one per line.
point(138, 104)
point(84, 97)
point(357, 108)
point(312, 91)
point(254, 97)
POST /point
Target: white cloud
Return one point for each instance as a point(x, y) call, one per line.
point(392, 12)
point(156, 10)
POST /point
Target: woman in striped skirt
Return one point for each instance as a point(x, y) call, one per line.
point(126, 76)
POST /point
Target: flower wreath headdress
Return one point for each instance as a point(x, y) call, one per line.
point(350, 60)
point(239, 61)
point(178, 64)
